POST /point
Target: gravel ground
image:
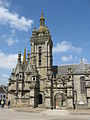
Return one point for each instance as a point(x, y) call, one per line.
point(42, 114)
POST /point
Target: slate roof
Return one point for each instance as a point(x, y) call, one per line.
point(80, 69)
point(62, 70)
point(75, 69)
point(2, 89)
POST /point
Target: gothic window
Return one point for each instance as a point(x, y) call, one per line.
point(82, 84)
point(39, 56)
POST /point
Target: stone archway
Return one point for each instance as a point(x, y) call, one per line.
point(58, 100)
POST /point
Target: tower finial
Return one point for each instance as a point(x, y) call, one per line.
point(42, 20)
point(81, 60)
point(24, 57)
point(42, 13)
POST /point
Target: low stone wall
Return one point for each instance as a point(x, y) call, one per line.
point(81, 106)
point(22, 102)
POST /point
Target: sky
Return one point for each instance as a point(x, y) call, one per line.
point(67, 20)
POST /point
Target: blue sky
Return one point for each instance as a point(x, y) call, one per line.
point(67, 20)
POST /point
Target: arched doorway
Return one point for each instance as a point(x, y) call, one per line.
point(40, 99)
point(59, 100)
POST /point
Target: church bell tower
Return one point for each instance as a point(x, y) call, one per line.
point(41, 49)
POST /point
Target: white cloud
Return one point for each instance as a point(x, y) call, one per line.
point(11, 41)
point(13, 19)
point(13, 31)
point(65, 46)
point(5, 76)
point(8, 61)
point(84, 60)
point(66, 59)
point(4, 3)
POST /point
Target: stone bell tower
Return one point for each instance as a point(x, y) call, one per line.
point(41, 49)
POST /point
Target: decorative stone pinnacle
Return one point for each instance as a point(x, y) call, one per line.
point(19, 57)
point(24, 57)
point(28, 56)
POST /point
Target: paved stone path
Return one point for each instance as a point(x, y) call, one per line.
point(9, 114)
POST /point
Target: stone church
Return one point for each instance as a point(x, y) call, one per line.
point(36, 82)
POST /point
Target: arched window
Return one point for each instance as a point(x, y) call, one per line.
point(39, 62)
point(82, 84)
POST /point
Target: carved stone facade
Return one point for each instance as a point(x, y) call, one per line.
point(36, 82)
